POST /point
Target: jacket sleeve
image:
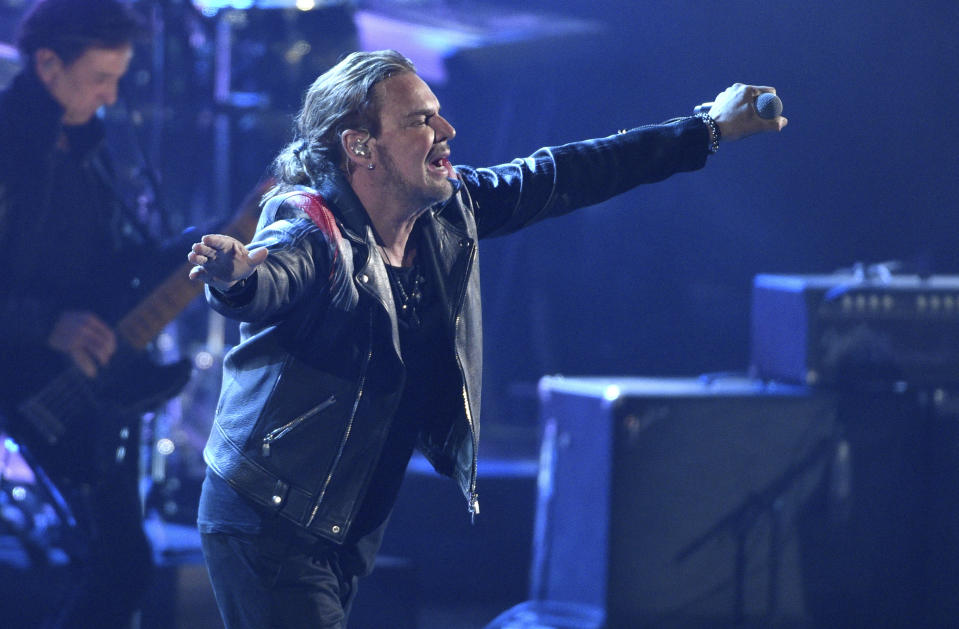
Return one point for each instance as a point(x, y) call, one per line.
point(300, 265)
point(29, 127)
point(556, 180)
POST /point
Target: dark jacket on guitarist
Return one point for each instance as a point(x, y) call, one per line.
point(75, 245)
point(62, 225)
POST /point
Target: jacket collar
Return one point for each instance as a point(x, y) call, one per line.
point(336, 190)
point(30, 98)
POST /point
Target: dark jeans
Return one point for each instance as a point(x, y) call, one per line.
point(117, 574)
point(283, 579)
point(111, 556)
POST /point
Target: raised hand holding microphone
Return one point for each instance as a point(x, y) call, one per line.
point(768, 106)
point(742, 110)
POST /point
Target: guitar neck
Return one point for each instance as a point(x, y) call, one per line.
point(142, 324)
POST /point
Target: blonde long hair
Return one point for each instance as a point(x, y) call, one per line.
point(338, 100)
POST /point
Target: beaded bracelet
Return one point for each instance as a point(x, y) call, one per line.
point(714, 128)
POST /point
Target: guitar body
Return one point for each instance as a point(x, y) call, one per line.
point(78, 429)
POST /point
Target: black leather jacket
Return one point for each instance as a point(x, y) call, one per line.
point(309, 392)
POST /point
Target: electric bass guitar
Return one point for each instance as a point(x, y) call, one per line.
point(77, 428)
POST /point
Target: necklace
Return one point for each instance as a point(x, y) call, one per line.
point(408, 293)
point(385, 255)
point(407, 287)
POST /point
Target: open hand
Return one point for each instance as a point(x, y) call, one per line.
point(222, 261)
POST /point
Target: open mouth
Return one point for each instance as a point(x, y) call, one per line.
point(442, 164)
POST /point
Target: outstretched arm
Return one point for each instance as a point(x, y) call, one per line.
point(558, 179)
point(222, 261)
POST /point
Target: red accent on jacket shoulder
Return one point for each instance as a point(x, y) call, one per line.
point(319, 212)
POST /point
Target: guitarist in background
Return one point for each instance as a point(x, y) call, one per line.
point(76, 260)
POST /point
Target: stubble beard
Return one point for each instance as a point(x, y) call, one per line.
point(415, 197)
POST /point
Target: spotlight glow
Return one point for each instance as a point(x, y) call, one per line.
point(203, 360)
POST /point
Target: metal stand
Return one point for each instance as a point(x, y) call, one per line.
point(741, 521)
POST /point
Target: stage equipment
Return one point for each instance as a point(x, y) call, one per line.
point(548, 615)
point(39, 542)
point(856, 326)
point(671, 502)
point(878, 536)
point(9, 64)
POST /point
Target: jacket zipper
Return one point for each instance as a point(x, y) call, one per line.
point(277, 433)
point(349, 428)
point(473, 498)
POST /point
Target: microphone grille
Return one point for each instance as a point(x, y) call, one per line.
point(768, 105)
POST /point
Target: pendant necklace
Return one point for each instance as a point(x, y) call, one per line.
point(409, 298)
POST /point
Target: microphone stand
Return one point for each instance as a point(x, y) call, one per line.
point(740, 522)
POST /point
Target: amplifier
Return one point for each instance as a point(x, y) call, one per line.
point(672, 503)
point(832, 329)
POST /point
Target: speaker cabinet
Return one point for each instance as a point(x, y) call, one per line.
point(671, 503)
point(888, 556)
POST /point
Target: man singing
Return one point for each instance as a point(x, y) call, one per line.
point(359, 303)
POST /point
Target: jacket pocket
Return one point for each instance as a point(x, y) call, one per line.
point(278, 433)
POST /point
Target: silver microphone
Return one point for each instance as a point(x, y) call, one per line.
point(768, 106)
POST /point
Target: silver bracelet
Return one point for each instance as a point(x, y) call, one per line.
point(714, 128)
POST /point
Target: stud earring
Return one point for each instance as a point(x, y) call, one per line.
point(370, 166)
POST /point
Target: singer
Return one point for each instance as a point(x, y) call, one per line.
point(359, 303)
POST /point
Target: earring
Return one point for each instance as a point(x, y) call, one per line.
point(370, 166)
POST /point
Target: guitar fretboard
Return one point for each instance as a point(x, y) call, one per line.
point(142, 324)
